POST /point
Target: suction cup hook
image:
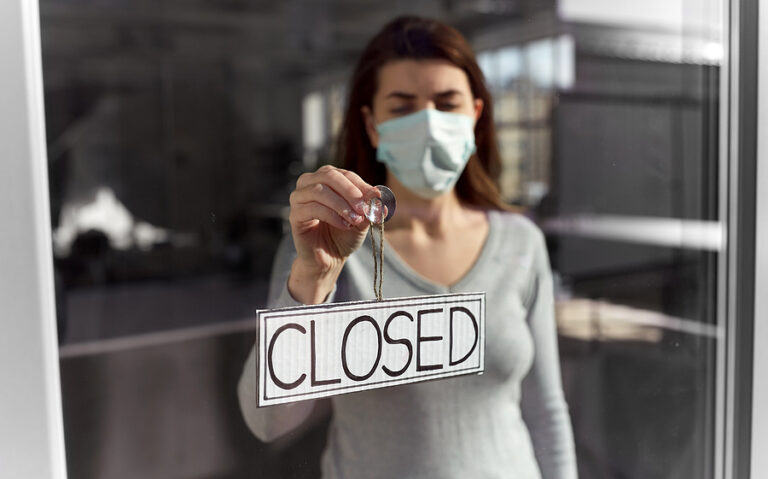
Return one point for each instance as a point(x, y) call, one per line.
point(381, 209)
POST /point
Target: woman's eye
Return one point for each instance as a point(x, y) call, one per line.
point(400, 110)
point(447, 106)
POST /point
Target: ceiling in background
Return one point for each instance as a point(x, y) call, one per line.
point(119, 41)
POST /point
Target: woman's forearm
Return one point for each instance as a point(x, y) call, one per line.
point(271, 422)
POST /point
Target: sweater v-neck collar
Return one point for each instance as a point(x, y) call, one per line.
point(393, 260)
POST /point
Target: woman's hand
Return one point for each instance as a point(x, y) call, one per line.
point(327, 225)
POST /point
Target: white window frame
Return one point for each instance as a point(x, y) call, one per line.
point(759, 458)
point(31, 429)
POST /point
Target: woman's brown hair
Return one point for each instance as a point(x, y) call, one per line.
point(415, 38)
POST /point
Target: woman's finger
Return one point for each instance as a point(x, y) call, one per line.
point(305, 216)
point(364, 187)
point(325, 195)
point(339, 182)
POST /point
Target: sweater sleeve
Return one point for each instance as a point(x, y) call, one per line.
point(271, 422)
point(543, 403)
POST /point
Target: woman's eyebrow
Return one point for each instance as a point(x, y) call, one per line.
point(447, 93)
point(401, 95)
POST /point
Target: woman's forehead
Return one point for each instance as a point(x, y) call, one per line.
point(421, 77)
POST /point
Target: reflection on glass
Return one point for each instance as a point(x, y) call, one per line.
point(510, 66)
point(176, 130)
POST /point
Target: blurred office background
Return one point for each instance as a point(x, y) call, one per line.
point(176, 130)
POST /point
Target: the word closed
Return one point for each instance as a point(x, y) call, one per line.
point(319, 351)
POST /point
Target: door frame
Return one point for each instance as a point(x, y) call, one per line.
point(759, 420)
point(31, 426)
point(32, 437)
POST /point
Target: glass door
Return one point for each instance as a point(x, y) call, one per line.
point(175, 131)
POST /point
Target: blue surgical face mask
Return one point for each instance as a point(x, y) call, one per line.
point(427, 150)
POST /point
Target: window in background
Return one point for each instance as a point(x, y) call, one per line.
point(322, 115)
point(524, 80)
point(314, 128)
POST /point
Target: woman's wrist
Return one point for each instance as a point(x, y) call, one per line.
point(310, 285)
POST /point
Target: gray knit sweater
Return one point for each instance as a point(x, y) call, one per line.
point(510, 422)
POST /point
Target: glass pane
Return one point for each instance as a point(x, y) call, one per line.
point(635, 236)
point(177, 131)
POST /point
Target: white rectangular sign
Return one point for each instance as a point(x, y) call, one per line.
point(311, 352)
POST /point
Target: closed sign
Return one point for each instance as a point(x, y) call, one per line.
point(311, 352)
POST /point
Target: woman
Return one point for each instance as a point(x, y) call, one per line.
point(419, 120)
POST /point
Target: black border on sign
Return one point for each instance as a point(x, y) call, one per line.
point(263, 315)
